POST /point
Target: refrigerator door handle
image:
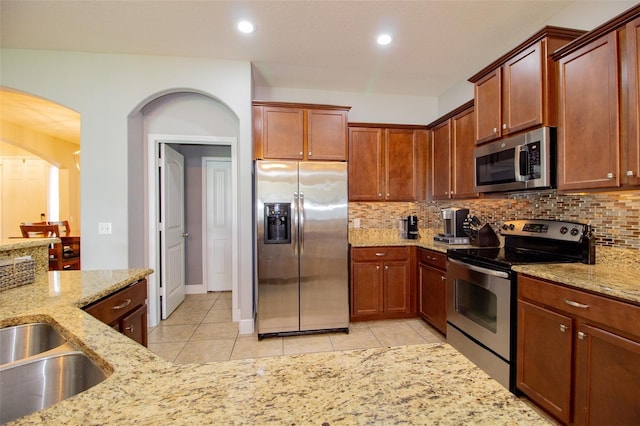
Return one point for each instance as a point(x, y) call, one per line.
point(301, 203)
point(295, 222)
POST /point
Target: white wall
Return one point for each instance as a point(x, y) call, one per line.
point(105, 89)
point(365, 107)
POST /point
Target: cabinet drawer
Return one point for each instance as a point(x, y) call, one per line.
point(120, 303)
point(618, 315)
point(432, 258)
point(379, 253)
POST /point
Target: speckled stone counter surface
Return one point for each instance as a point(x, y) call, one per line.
point(391, 237)
point(37, 248)
point(422, 384)
point(615, 273)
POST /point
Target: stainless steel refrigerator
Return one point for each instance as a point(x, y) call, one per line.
point(302, 247)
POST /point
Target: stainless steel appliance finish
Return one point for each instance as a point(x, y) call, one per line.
point(303, 281)
point(478, 304)
point(479, 317)
point(524, 161)
point(482, 288)
point(453, 226)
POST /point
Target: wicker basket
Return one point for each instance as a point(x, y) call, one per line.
point(16, 272)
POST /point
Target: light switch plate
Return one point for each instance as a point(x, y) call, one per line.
point(104, 228)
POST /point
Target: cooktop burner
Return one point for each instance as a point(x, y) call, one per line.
point(530, 241)
point(507, 256)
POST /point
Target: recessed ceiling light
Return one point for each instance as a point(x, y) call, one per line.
point(245, 27)
point(384, 39)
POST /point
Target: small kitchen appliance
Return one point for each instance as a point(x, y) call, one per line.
point(453, 226)
point(410, 227)
point(481, 288)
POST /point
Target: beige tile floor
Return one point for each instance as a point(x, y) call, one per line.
point(201, 330)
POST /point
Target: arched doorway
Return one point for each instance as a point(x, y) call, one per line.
point(199, 123)
point(40, 156)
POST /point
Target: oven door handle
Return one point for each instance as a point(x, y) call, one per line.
point(480, 269)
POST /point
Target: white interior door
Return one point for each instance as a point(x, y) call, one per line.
point(19, 177)
point(172, 233)
point(217, 241)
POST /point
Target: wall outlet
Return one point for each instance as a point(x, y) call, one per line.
point(356, 223)
point(104, 228)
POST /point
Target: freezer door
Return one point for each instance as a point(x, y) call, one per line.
point(324, 280)
point(277, 182)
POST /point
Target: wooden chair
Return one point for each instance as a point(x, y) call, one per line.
point(39, 230)
point(64, 226)
point(61, 256)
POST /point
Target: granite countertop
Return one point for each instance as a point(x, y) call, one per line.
point(430, 383)
point(391, 237)
point(614, 274)
point(21, 243)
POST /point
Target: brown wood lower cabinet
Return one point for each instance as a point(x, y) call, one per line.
point(381, 283)
point(578, 354)
point(125, 311)
point(432, 288)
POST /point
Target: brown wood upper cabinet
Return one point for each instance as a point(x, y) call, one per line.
point(452, 144)
point(518, 91)
point(387, 162)
point(288, 131)
point(599, 107)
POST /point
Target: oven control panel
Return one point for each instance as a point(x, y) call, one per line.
point(541, 228)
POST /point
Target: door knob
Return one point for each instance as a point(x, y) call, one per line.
point(185, 234)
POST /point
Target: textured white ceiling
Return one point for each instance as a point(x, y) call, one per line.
point(297, 44)
point(316, 44)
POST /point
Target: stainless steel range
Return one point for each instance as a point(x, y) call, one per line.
point(481, 288)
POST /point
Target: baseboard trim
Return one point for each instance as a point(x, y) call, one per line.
point(246, 326)
point(195, 289)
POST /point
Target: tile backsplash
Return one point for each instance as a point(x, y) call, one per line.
point(615, 216)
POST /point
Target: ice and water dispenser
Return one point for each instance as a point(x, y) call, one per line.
point(277, 223)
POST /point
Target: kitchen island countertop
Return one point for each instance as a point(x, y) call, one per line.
point(429, 383)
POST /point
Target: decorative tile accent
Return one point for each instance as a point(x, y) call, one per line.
point(615, 216)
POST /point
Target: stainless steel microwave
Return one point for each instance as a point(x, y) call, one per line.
point(524, 161)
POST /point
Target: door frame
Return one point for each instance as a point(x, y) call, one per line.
point(152, 188)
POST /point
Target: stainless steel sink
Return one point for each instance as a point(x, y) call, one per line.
point(36, 384)
point(22, 341)
point(39, 368)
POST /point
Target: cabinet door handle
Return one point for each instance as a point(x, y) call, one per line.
point(129, 329)
point(444, 279)
point(495, 130)
point(610, 175)
point(504, 126)
point(379, 254)
point(122, 305)
point(581, 335)
point(575, 304)
point(378, 267)
point(563, 328)
point(386, 268)
point(629, 172)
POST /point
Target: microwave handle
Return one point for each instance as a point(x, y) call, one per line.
point(521, 163)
